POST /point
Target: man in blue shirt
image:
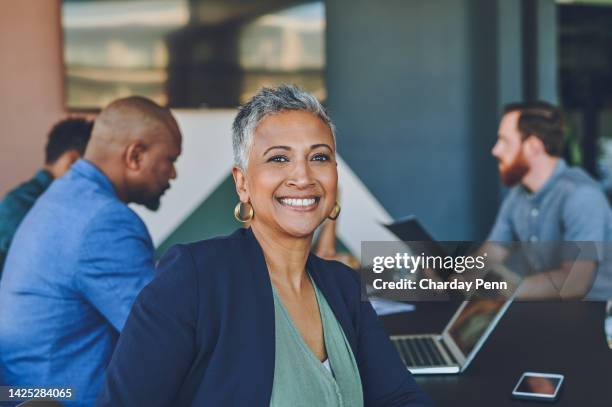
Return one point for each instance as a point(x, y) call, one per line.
point(81, 255)
point(549, 205)
point(66, 144)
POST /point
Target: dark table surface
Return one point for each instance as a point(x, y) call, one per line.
point(560, 337)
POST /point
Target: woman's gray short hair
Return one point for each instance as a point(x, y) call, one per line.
point(270, 101)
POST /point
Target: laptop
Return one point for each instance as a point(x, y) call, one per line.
point(466, 332)
point(453, 349)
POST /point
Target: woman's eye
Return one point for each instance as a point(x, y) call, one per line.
point(278, 159)
point(320, 157)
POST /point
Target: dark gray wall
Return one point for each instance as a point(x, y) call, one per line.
point(414, 90)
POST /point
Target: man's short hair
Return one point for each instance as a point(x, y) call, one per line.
point(540, 119)
point(66, 135)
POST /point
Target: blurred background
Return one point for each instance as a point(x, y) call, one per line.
point(415, 88)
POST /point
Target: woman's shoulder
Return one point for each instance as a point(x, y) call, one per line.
point(188, 267)
point(214, 248)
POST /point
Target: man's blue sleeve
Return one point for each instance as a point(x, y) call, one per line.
point(586, 219)
point(586, 215)
point(115, 262)
point(502, 229)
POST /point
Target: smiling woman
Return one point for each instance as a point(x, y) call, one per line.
point(254, 318)
point(291, 177)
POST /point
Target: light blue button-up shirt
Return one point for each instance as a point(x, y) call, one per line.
point(570, 207)
point(76, 264)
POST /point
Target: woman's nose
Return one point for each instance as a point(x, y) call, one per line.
point(301, 175)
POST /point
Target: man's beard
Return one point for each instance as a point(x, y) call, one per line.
point(153, 204)
point(514, 172)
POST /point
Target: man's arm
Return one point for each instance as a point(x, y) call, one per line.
point(571, 281)
point(502, 230)
point(115, 262)
point(585, 217)
point(498, 244)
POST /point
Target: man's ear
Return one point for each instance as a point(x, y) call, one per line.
point(241, 184)
point(133, 155)
point(534, 146)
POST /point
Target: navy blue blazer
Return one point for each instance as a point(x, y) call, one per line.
point(202, 332)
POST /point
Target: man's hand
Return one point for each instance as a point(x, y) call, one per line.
point(571, 282)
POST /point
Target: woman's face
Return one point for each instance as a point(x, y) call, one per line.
point(291, 176)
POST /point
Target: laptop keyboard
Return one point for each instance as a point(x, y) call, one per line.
point(419, 351)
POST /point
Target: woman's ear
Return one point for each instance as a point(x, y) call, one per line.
point(241, 183)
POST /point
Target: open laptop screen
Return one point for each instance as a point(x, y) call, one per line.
point(473, 321)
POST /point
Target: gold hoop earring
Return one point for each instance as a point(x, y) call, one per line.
point(238, 212)
point(335, 212)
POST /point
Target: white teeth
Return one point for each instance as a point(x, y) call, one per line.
point(297, 202)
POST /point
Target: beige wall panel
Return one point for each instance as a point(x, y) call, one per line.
point(31, 84)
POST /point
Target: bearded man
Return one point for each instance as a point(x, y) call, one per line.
point(551, 202)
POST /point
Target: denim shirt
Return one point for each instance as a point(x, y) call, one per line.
point(570, 207)
point(76, 264)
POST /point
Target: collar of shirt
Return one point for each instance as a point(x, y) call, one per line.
point(87, 170)
point(43, 178)
point(548, 185)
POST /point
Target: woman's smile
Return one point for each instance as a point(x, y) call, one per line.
point(299, 204)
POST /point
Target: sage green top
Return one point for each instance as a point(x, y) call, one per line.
point(300, 378)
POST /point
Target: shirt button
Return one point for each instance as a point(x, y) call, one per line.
point(535, 212)
point(533, 238)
